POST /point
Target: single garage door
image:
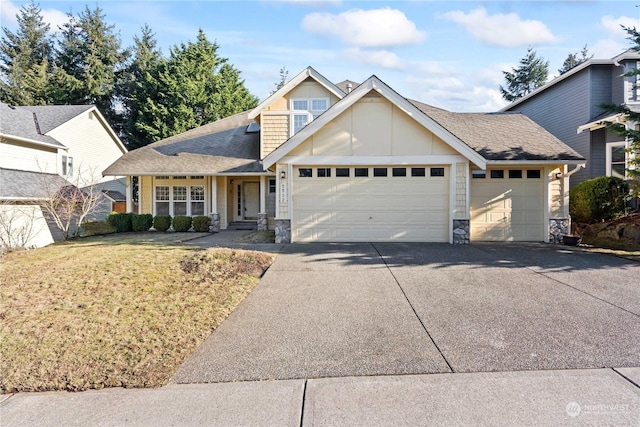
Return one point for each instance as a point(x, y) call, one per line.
point(370, 204)
point(507, 205)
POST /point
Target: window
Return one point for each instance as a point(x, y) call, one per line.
point(179, 200)
point(67, 165)
point(399, 172)
point(497, 173)
point(197, 200)
point(162, 177)
point(418, 172)
point(437, 171)
point(305, 173)
point(197, 177)
point(324, 172)
point(342, 172)
point(515, 173)
point(361, 172)
point(379, 171)
point(179, 177)
point(162, 200)
point(478, 174)
point(305, 110)
point(533, 174)
point(616, 159)
point(272, 186)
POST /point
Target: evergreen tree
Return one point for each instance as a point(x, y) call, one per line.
point(530, 75)
point(284, 74)
point(574, 59)
point(137, 86)
point(91, 56)
point(627, 129)
point(193, 87)
point(25, 58)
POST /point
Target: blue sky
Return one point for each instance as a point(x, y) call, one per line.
point(446, 53)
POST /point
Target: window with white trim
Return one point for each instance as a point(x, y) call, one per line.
point(197, 200)
point(616, 157)
point(304, 111)
point(162, 200)
point(67, 165)
point(180, 200)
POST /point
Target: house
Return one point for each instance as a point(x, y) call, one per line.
point(60, 145)
point(318, 161)
point(569, 108)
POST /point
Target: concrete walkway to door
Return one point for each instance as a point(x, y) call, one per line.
point(333, 310)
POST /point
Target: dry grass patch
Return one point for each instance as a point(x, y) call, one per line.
point(103, 312)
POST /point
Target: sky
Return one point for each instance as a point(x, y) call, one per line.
point(449, 54)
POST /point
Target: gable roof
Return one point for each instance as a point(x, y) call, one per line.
point(21, 123)
point(375, 84)
point(51, 116)
point(26, 185)
point(308, 72)
point(220, 147)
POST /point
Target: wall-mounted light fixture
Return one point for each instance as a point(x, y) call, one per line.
point(283, 174)
point(558, 175)
point(231, 181)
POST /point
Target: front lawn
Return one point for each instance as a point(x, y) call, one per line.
point(115, 311)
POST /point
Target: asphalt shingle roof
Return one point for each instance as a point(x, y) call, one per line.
point(27, 185)
point(52, 116)
point(20, 122)
point(221, 147)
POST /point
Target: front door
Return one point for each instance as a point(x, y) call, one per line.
point(251, 200)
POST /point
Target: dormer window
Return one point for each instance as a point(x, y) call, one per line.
point(304, 111)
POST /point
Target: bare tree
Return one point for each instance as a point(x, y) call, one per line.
point(69, 205)
point(19, 224)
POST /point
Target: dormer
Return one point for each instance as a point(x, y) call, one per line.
point(292, 107)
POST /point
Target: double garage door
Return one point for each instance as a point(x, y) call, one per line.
point(371, 204)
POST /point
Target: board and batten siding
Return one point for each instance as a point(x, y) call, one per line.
point(20, 155)
point(90, 144)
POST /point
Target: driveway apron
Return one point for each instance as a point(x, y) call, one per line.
point(329, 310)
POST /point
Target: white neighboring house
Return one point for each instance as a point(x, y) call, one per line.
point(67, 144)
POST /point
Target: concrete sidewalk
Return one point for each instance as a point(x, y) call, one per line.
point(541, 398)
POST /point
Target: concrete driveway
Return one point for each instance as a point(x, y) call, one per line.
point(335, 310)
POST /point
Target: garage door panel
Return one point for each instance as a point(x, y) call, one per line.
point(370, 208)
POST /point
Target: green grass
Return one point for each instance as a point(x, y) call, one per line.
point(114, 311)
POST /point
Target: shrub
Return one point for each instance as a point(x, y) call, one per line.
point(181, 223)
point(201, 223)
point(598, 199)
point(95, 228)
point(141, 222)
point(120, 221)
point(162, 222)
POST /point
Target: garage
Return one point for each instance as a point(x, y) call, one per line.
point(507, 205)
point(371, 204)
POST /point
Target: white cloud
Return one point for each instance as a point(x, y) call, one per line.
point(613, 24)
point(505, 30)
point(54, 17)
point(366, 28)
point(608, 48)
point(381, 58)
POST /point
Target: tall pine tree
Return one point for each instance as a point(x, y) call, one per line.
point(530, 75)
point(574, 59)
point(25, 58)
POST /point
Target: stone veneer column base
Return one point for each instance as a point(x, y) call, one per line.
point(215, 223)
point(283, 230)
point(558, 227)
point(262, 222)
point(461, 232)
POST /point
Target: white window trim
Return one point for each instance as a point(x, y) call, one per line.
point(171, 201)
point(311, 114)
point(611, 145)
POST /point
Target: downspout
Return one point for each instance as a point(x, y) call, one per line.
point(578, 167)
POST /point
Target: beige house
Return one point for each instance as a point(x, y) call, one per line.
point(58, 144)
point(348, 162)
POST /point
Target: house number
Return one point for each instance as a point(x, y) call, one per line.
point(283, 192)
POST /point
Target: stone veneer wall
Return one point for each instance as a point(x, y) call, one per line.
point(215, 223)
point(461, 232)
point(283, 230)
point(262, 222)
point(557, 228)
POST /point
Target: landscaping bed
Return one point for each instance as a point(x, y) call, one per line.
point(114, 311)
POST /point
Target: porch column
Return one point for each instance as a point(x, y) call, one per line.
point(129, 194)
point(214, 194)
point(262, 214)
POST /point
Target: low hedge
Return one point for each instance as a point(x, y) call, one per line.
point(181, 223)
point(96, 228)
point(201, 223)
point(120, 221)
point(598, 199)
point(162, 222)
point(141, 222)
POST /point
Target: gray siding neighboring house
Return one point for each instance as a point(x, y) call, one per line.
point(569, 108)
